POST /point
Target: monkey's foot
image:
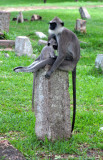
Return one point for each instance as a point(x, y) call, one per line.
point(47, 75)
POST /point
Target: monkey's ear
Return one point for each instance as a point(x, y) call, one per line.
point(62, 23)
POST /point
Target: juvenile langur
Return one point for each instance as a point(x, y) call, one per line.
point(20, 18)
point(47, 56)
point(68, 54)
point(46, 53)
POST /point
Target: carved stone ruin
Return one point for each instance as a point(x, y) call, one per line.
point(4, 21)
point(84, 13)
point(99, 61)
point(40, 35)
point(52, 105)
point(80, 25)
point(7, 43)
point(23, 46)
point(35, 17)
point(42, 42)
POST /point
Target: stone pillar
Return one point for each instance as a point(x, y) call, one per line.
point(80, 25)
point(52, 105)
point(4, 21)
point(99, 61)
point(84, 13)
point(23, 46)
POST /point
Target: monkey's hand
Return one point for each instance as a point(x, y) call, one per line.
point(48, 75)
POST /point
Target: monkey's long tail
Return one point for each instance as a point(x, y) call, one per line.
point(35, 66)
point(22, 69)
point(33, 91)
point(74, 96)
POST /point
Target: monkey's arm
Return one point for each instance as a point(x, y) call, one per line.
point(62, 52)
point(56, 64)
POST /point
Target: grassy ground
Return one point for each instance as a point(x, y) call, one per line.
point(12, 3)
point(17, 121)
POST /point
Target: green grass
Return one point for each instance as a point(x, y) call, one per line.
point(17, 122)
point(12, 3)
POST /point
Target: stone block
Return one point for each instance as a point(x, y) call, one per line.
point(99, 61)
point(35, 17)
point(23, 46)
point(42, 42)
point(40, 35)
point(7, 43)
point(52, 105)
point(80, 25)
point(4, 21)
point(84, 13)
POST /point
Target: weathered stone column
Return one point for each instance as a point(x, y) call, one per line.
point(4, 21)
point(52, 105)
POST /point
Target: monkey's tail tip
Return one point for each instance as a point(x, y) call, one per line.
point(18, 69)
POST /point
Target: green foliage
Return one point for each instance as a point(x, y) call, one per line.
point(17, 122)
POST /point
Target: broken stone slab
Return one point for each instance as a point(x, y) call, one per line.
point(23, 46)
point(6, 55)
point(52, 105)
point(42, 42)
point(84, 13)
point(7, 49)
point(99, 61)
point(15, 19)
point(7, 43)
point(4, 21)
point(40, 35)
point(8, 152)
point(35, 17)
point(80, 25)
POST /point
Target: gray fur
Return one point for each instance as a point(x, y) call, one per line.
point(68, 48)
point(47, 56)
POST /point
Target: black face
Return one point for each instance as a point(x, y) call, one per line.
point(53, 25)
point(55, 47)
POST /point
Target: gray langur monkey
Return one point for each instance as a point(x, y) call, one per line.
point(68, 49)
point(20, 18)
point(68, 54)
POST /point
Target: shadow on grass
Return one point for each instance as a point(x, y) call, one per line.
point(96, 72)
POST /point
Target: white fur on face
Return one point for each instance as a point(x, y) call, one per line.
point(57, 31)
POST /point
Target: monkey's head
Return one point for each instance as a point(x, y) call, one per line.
point(52, 42)
point(55, 26)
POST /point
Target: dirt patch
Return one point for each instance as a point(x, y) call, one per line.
point(11, 9)
point(8, 152)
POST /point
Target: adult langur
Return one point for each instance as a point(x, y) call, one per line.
point(68, 54)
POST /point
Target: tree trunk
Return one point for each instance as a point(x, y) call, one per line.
point(44, 1)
